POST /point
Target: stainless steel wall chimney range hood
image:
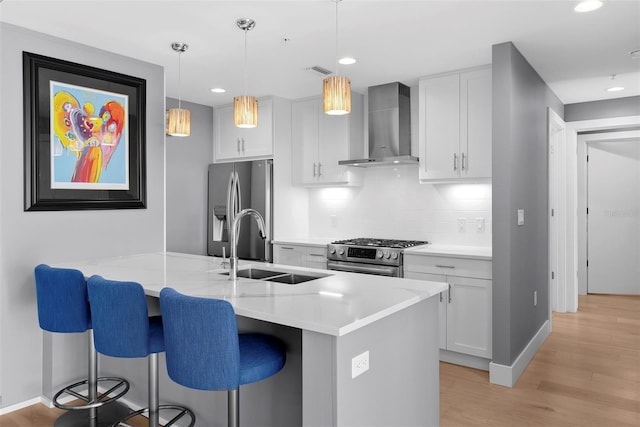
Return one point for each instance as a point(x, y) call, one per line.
point(389, 127)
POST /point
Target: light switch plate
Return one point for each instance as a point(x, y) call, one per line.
point(520, 216)
point(480, 225)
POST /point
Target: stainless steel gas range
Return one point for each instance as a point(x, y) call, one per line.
point(382, 257)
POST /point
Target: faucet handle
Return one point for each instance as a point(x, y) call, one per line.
point(224, 263)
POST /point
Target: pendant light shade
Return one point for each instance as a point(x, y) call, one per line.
point(245, 107)
point(178, 122)
point(245, 111)
point(336, 90)
point(179, 119)
point(336, 95)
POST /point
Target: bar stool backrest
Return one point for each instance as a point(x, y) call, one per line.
point(63, 304)
point(201, 341)
point(121, 319)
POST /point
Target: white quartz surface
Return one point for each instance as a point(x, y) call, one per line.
point(473, 252)
point(335, 305)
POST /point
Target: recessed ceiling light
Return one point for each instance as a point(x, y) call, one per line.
point(588, 5)
point(218, 90)
point(347, 60)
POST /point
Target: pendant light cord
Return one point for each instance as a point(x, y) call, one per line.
point(336, 72)
point(245, 61)
point(179, 81)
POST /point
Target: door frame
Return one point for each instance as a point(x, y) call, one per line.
point(584, 141)
point(571, 235)
point(556, 212)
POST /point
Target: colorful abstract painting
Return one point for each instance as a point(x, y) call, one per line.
point(89, 138)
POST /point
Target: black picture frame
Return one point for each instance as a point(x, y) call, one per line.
point(38, 72)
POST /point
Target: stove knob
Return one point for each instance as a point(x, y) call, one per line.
point(340, 251)
point(394, 255)
point(332, 250)
point(379, 254)
point(387, 254)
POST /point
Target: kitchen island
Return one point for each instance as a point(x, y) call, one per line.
point(362, 349)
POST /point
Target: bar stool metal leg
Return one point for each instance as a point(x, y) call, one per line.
point(233, 408)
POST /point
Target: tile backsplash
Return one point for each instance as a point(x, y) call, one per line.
point(391, 203)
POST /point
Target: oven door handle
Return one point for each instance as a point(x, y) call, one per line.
point(379, 270)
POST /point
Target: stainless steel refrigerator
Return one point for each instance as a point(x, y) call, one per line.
point(233, 187)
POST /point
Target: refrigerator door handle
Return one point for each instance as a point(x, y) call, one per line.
point(230, 190)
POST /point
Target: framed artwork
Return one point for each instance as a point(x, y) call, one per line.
point(84, 137)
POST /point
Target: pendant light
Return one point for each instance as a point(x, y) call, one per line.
point(179, 119)
point(245, 107)
point(336, 90)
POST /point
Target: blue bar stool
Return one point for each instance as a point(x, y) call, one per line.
point(63, 307)
point(205, 352)
point(123, 328)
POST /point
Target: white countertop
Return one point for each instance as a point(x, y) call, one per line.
point(473, 252)
point(335, 305)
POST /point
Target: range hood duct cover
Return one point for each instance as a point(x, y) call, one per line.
point(389, 127)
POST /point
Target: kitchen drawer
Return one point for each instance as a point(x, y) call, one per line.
point(449, 266)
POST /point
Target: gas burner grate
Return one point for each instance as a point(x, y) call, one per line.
point(381, 243)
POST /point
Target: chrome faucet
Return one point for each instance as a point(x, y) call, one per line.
point(235, 230)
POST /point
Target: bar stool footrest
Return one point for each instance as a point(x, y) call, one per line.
point(120, 387)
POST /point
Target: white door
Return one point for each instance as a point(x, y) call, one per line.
point(613, 220)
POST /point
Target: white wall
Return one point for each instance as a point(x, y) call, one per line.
point(33, 363)
point(391, 203)
point(188, 159)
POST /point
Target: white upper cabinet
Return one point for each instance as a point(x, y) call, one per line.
point(455, 126)
point(231, 143)
point(320, 141)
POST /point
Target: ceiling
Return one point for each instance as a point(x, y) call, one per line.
point(576, 54)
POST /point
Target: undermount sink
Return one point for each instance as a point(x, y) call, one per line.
point(257, 273)
point(275, 276)
point(292, 279)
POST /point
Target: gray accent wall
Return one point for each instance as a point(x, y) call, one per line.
point(33, 363)
point(187, 161)
point(604, 109)
point(520, 253)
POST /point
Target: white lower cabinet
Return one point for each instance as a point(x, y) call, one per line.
point(300, 255)
point(466, 307)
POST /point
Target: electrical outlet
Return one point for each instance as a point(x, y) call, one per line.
point(360, 364)
point(334, 220)
point(462, 224)
point(535, 298)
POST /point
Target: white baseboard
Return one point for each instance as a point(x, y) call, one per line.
point(464, 360)
point(506, 375)
point(21, 405)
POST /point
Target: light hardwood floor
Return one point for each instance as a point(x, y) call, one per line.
point(587, 373)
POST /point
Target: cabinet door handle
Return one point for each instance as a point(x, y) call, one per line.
point(314, 170)
point(450, 293)
point(319, 169)
point(318, 255)
point(463, 161)
point(455, 161)
point(238, 143)
point(242, 145)
point(440, 292)
point(445, 266)
point(286, 247)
